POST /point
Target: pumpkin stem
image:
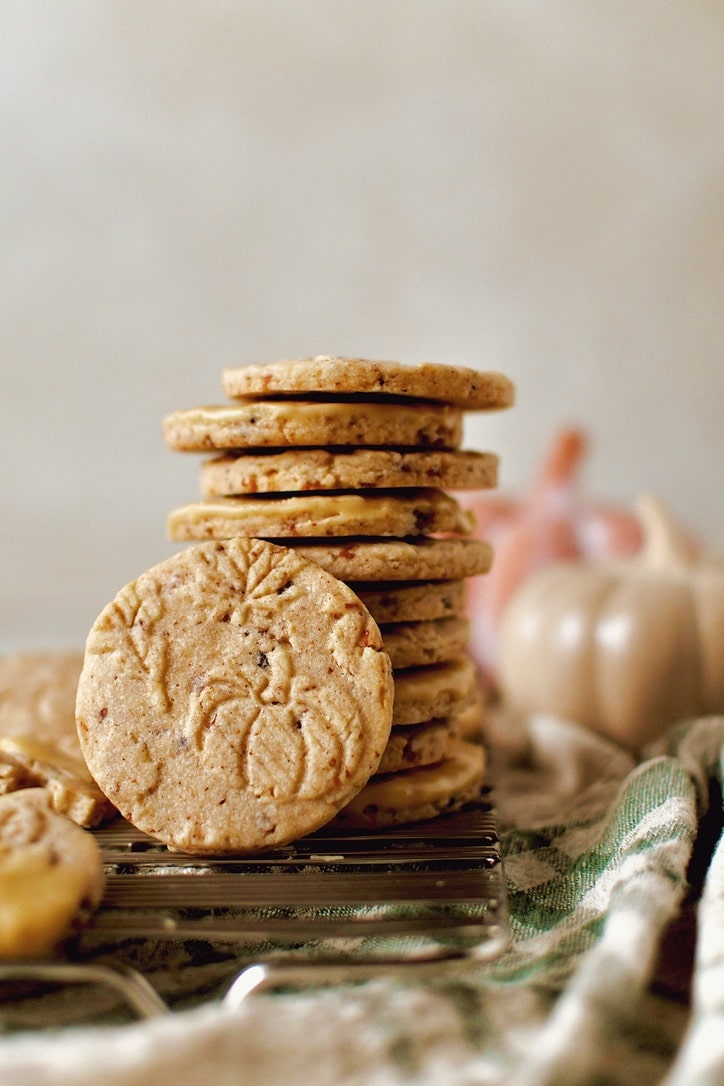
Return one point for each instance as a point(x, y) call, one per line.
point(665, 543)
point(562, 461)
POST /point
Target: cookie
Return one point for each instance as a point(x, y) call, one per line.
point(296, 470)
point(368, 513)
point(441, 690)
point(400, 559)
point(233, 698)
point(418, 794)
point(277, 424)
point(38, 737)
point(71, 790)
point(11, 777)
point(417, 644)
point(458, 385)
point(417, 744)
point(470, 720)
point(37, 697)
point(51, 875)
point(417, 601)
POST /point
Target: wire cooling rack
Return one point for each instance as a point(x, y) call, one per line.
point(175, 930)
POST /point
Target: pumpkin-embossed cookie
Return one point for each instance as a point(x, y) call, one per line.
point(264, 425)
point(233, 698)
point(472, 389)
point(337, 469)
point(373, 513)
point(51, 875)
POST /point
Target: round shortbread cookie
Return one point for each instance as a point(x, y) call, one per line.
point(417, 744)
point(427, 692)
point(374, 513)
point(37, 697)
point(259, 424)
point(417, 644)
point(460, 385)
point(418, 794)
point(419, 601)
point(470, 720)
point(233, 698)
point(325, 469)
point(38, 737)
point(400, 559)
point(51, 875)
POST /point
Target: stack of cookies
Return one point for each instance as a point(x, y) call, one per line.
point(352, 463)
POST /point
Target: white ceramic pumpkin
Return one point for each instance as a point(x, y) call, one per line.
point(624, 647)
point(551, 521)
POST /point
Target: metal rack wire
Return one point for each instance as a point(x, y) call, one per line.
point(175, 930)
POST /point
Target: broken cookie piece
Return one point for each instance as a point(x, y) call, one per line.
point(51, 875)
point(38, 737)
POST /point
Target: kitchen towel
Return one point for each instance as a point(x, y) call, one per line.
point(607, 859)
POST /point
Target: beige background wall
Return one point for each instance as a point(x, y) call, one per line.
point(185, 185)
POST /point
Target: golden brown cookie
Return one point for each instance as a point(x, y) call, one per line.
point(51, 875)
point(260, 424)
point(11, 778)
point(417, 601)
point(417, 644)
point(459, 385)
point(37, 697)
point(71, 790)
point(418, 794)
point(38, 738)
point(441, 690)
point(400, 559)
point(296, 470)
point(418, 744)
point(233, 698)
point(470, 720)
point(366, 513)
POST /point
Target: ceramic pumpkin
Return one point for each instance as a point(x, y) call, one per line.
point(625, 647)
point(548, 523)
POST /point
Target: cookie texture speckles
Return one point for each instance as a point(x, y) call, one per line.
point(375, 513)
point(51, 875)
point(400, 559)
point(334, 469)
point(416, 644)
point(233, 698)
point(291, 423)
point(461, 385)
point(418, 745)
point(413, 602)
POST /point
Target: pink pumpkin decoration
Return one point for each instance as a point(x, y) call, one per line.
point(549, 523)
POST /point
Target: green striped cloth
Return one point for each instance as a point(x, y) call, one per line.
point(601, 854)
point(596, 875)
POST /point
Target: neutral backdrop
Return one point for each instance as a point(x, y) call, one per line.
point(193, 184)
